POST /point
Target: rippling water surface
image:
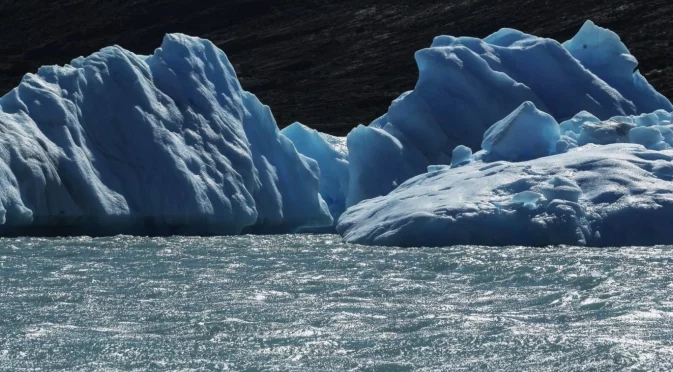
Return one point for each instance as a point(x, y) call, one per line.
point(314, 303)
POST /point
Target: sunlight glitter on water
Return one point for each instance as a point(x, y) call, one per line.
point(311, 302)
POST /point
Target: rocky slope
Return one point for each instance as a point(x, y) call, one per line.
point(329, 64)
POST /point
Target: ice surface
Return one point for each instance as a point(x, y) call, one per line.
point(601, 51)
point(161, 144)
point(331, 154)
point(460, 155)
point(466, 85)
point(604, 133)
point(613, 195)
point(527, 133)
point(652, 130)
point(528, 199)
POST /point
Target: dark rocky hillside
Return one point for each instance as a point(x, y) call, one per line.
point(329, 64)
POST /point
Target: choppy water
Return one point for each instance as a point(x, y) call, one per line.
point(314, 303)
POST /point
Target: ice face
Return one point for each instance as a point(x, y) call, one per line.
point(602, 52)
point(331, 154)
point(527, 133)
point(378, 163)
point(169, 143)
point(467, 84)
point(589, 195)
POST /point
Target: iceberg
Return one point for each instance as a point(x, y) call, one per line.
point(586, 181)
point(609, 195)
point(466, 85)
point(152, 145)
point(170, 143)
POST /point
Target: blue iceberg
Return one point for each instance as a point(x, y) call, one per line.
point(653, 130)
point(602, 177)
point(466, 85)
point(171, 144)
point(162, 144)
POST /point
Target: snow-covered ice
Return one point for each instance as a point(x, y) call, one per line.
point(162, 144)
point(612, 195)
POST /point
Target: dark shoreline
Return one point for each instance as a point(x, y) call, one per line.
point(328, 64)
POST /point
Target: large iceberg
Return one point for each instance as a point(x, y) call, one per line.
point(600, 183)
point(611, 195)
point(162, 144)
point(466, 84)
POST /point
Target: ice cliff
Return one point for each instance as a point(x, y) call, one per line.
point(162, 144)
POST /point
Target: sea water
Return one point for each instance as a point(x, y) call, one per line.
point(311, 302)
